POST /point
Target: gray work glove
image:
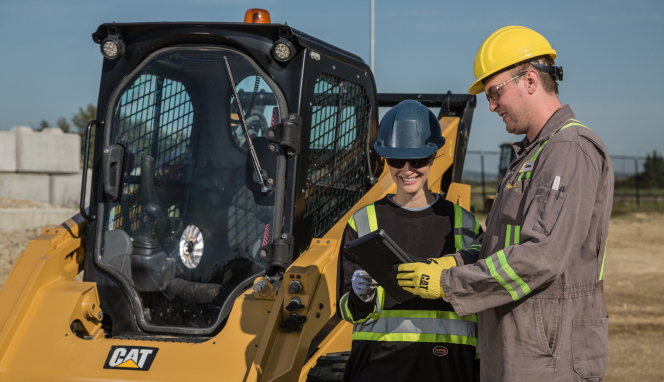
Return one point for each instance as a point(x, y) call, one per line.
point(363, 285)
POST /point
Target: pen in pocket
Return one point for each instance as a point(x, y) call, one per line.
point(556, 183)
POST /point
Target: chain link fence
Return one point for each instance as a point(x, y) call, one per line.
point(638, 179)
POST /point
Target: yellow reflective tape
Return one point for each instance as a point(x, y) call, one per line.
point(415, 337)
point(458, 223)
point(380, 301)
point(507, 236)
point(501, 281)
point(371, 213)
point(574, 124)
point(352, 224)
point(349, 316)
point(427, 314)
point(510, 272)
point(477, 227)
point(517, 234)
point(601, 272)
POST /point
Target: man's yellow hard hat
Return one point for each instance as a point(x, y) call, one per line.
point(506, 47)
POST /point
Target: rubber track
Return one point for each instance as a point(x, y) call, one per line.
point(329, 368)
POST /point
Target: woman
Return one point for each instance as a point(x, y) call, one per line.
point(419, 338)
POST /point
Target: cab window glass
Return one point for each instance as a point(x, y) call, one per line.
point(336, 175)
point(188, 226)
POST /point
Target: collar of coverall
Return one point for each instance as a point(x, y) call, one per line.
point(557, 120)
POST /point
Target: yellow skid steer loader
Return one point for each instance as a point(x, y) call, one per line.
point(227, 160)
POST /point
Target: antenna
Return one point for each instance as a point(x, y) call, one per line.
point(373, 39)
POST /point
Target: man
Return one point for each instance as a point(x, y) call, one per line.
point(537, 288)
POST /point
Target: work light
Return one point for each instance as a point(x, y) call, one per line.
point(283, 50)
point(112, 47)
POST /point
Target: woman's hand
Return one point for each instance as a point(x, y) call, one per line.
point(363, 285)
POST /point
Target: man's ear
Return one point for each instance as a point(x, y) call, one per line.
point(532, 81)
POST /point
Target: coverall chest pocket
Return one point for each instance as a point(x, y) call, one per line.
point(511, 211)
point(549, 203)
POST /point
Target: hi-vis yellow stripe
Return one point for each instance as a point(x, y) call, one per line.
point(573, 123)
point(373, 222)
point(505, 275)
point(415, 337)
point(601, 272)
point(427, 314)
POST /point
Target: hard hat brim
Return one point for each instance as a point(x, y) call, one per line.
point(407, 153)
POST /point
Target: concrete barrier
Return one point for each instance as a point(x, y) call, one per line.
point(7, 151)
point(66, 190)
point(25, 218)
point(33, 187)
point(48, 151)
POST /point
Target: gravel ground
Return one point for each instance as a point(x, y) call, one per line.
point(16, 203)
point(634, 288)
point(12, 243)
point(633, 285)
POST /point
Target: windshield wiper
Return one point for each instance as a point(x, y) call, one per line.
point(265, 189)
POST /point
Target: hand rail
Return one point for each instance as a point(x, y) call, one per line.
point(86, 153)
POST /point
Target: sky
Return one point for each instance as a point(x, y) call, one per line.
point(611, 52)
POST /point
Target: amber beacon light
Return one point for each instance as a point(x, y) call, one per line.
point(257, 16)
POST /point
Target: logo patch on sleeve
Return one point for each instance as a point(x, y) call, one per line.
point(130, 358)
point(528, 166)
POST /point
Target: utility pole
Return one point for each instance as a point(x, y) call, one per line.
point(483, 186)
point(636, 180)
point(373, 41)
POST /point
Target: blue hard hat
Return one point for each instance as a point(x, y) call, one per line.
point(408, 131)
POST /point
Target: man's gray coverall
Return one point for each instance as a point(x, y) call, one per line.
point(537, 288)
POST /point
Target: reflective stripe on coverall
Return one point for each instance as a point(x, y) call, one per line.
point(537, 288)
point(413, 325)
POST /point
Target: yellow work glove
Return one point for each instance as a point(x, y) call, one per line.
point(423, 279)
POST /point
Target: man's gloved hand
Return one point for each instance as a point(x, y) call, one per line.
point(423, 279)
point(363, 285)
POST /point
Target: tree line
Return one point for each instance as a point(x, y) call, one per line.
point(651, 177)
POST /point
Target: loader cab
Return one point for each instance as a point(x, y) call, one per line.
point(507, 155)
point(187, 112)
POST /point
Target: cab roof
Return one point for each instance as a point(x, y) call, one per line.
point(131, 32)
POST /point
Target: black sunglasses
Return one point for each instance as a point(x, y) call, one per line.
point(414, 163)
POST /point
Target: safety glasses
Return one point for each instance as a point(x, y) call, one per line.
point(494, 92)
point(414, 163)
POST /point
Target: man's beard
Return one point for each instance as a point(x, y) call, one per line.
point(520, 122)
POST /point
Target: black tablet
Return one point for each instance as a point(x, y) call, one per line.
point(376, 253)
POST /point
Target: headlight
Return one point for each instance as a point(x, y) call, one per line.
point(283, 50)
point(112, 47)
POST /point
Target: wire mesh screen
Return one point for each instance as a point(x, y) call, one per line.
point(337, 169)
point(156, 116)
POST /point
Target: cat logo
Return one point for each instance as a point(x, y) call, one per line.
point(130, 358)
point(424, 282)
point(440, 351)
